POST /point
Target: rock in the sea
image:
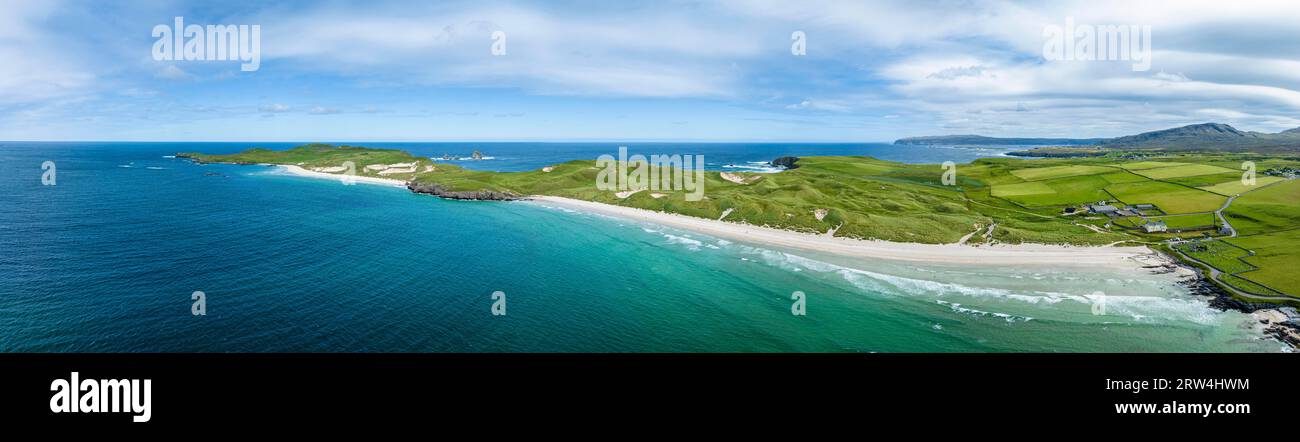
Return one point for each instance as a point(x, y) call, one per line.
point(786, 162)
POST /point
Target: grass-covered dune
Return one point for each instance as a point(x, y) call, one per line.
point(1024, 201)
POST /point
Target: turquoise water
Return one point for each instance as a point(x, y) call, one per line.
point(107, 259)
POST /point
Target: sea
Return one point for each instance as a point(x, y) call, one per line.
point(108, 247)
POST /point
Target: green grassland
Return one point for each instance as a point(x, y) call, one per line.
point(868, 198)
point(1223, 256)
point(1235, 186)
point(1161, 173)
point(1196, 221)
point(1042, 173)
point(1268, 220)
point(1267, 209)
point(1276, 256)
point(1174, 222)
point(1143, 165)
point(1172, 198)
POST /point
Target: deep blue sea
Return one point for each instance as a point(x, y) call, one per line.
point(107, 259)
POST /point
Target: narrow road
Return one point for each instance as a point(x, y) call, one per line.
point(1232, 233)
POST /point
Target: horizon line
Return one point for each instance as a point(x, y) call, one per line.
point(579, 140)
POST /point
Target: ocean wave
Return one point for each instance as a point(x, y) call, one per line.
point(754, 166)
point(1139, 308)
point(690, 243)
point(483, 158)
point(973, 312)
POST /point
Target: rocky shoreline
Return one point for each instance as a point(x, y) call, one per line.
point(473, 195)
point(1277, 321)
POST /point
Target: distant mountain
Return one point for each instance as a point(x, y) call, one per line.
point(993, 141)
point(1195, 137)
point(1209, 136)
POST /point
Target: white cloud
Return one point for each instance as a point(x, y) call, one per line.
point(274, 108)
point(35, 68)
point(656, 54)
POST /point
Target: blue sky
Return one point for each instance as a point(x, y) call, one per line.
point(663, 70)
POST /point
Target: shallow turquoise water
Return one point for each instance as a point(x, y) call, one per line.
point(106, 260)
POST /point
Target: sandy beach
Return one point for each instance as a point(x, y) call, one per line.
point(299, 171)
point(1020, 254)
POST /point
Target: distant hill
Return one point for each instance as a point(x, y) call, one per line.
point(993, 141)
point(1196, 137)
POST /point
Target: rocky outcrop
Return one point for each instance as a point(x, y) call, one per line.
point(477, 195)
point(786, 162)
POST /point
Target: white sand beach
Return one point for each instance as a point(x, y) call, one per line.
point(295, 170)
point(1020, 254)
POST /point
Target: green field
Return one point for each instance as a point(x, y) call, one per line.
point(1172, 198)
point(1277, 259)
point(1268, 209)
point(1235, 187)
point(1043, 173)
point(1141, 165)
point(1054, 192)
point(1022, 189)
point(1184, 222)
point(1204, 180)
point(1269, 221)
point(1123, 177)
point(1223, 256)
point(1182, 171)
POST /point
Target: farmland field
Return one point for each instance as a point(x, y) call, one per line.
point(1141, 165)
point(1219, 254)
point(1277, 259)
point(1188, 221)
point(1022, 189)
point(1182, 171)
point(1172, 198)
point(1268, 209)
point(1205, 180)
point(1044, 173)
point(1059, 191)
point(1123, 177)
point(1235, 187)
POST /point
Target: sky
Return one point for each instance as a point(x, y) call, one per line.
point(725, 70)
